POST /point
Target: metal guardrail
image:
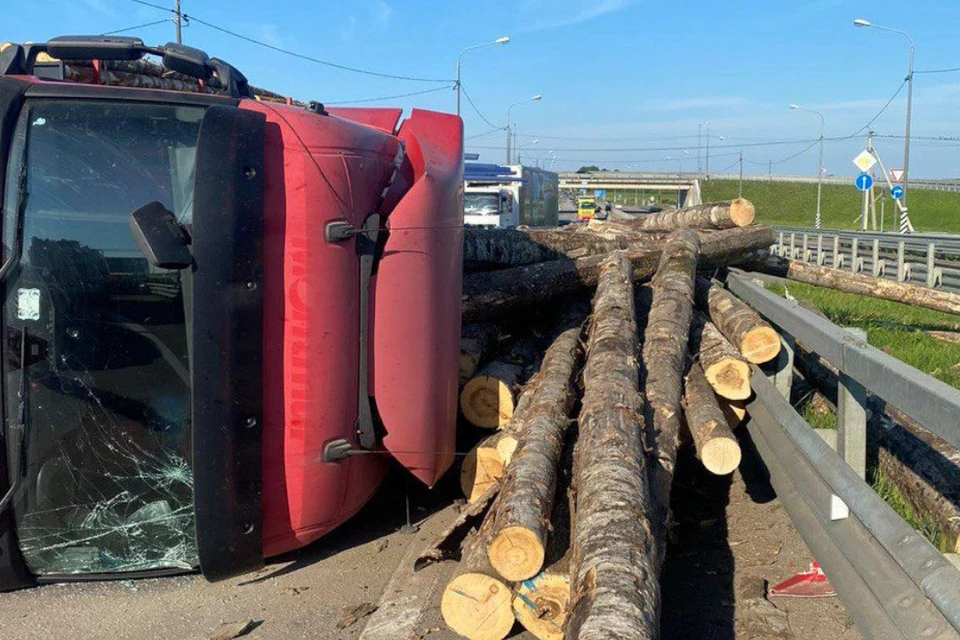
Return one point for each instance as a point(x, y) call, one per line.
point(943, 184)
point(894, 583)
point(929, 259)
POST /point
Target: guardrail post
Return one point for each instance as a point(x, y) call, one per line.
point(806, 253)
point(780, 372)
point(854, 250)
point(836, 252)
point(793, 245)
point(780, 245)
point(820, 256)
point(876, 258)
point(931, 266)
point(852, 418)
point(901, 269)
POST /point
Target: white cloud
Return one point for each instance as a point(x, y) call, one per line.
point(382, 13)
point(348, 30)
point(270, 33)
point(582, 14)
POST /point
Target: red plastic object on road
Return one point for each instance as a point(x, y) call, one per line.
point(806, 584)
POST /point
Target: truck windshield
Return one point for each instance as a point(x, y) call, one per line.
point(481, 204)
point(95, 347)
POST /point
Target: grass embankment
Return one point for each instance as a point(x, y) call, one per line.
point(795, 204)
point(901, 331)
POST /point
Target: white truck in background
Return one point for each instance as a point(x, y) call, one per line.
point(504, 197)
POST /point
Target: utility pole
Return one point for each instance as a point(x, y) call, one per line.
point(770, 168)
point(741, 174)
point(866, 197)
point(176, 19)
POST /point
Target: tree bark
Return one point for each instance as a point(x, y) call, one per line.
point(489, 398)
point(448, 545)
point(756, 340)
point(848, 282)
point(476, 603)
point(518, 543)
point(477, 342)
point(614, 591)
point(717, 447)
point(491, 294)
point(712, 215)
point(726, 370)
point(665, 356)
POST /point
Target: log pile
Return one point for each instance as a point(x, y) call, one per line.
point(580, 391)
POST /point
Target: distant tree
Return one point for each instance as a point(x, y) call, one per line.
point(588, 168)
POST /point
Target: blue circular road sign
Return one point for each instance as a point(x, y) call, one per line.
point(896, 192)
point(863, 181)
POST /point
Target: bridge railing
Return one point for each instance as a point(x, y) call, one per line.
point(893, 582)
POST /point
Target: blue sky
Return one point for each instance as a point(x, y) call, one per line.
point(625, 82)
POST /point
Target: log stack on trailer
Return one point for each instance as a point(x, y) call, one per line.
point(637, 353)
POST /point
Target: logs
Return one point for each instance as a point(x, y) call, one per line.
point(518, 542)
point(481, 468)
point(614, 590)
point(848, 282)
point(492, 294)
point(448, 543)
point(712, 215)
point(756, 340)
point(717, 447)
point(665, 353)
point(476, 603)
point(488, 399)
point(725, 369)
point(477, 341)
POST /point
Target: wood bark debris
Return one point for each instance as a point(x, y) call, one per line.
point(756, 340)
point(614, 567)
point(447, 545)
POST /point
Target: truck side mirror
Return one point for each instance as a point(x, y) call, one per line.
point(159, 236)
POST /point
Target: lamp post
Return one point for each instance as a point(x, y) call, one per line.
point(700, 126)
point(533, 98)
point(503, 40)
point(796, 107)
point(525, 144)
point(707, 165)
point(860, 22)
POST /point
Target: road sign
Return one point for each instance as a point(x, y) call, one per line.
point(896, 192)
point(864, 160)
point(863, 181)
point(599, 193)
point(896, 175)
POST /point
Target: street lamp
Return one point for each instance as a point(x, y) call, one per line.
point(525, 144)
point(503, 40)
point(707, 165)
point(533, 98)
point(796, 107)
point(860, 22)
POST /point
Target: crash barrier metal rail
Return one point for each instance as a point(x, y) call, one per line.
point(893, 582)
point(928, 259)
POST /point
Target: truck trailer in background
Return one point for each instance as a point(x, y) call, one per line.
point(503, 197)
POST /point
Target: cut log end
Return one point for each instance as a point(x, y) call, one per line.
point(734, 412)
point(541, 605)
point(721, 455)
point(517, 553)
point(481, 468)
point(478, 607)
point(487, 402)
point(760, 344)
point(729, 378)
point(742, 212)
point(506, 447)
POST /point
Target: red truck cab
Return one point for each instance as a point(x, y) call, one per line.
point(212, 302)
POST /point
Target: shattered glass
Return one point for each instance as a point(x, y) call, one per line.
point(96, 368)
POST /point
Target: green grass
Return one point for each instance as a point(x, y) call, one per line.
point(819, 417)
point(795, 204)
point(897, 329)
point(921, 522)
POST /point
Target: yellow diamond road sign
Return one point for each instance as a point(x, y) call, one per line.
point(864, 161)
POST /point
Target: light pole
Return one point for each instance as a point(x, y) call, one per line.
point(503, 40)
point(533, 98)
point(707, 165)
point(796, 107)
point(679, 175)
point(700, 126)
point(860, 22)
point(525, 144)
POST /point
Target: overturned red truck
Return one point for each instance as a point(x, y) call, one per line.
point(212, 301)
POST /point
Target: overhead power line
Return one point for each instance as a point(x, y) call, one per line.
point(951, 70)
point(135, 27)
point(394, 97)
point(290, 52)
point(470, 101)
point(485, 133)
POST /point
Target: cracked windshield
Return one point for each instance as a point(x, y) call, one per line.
point(96, 366)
